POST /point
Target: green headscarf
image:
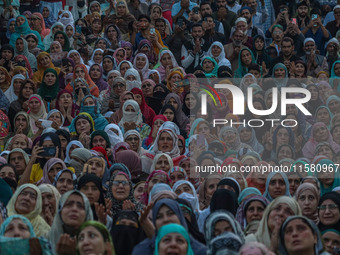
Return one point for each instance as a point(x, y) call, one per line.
point(173, 228)
point(67, 41)
point(242, 70)
point(46, 90)
point(214, 71)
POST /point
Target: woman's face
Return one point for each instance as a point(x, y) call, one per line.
point(334, 106)
point(162, 164)
point(108, 66)
point(166, 61)
point(282, 137)
point(45, 61)
point(31, 43)
point(20, 143)
point(169, 114)
point(69, 31)
point(336, 134)
point(49, 201)
point(337, 69)
point(133, 141)
point(120, 55)
point(96, 26)
point(208, 66)
point(57, 118)
point(165, 142)
point(34, 105)
point(120, 188)
point(211, 187)
point(173, 243)
point(128, 52)
point(53, 171)
point(2, 77)
point(101, 44)
point(329, 213)
point(21, 121)
point(331, 241)
point(294, 183)
point(138, 191)
point(173, 102)
point(176, 176)
point(83, 126)
point(246, 58)
point(245, 135)
point(98, 57)
point(278, 215)
point(65, 183)
point(73, 212)
point(65, 99)
point(60, 38)
point(203, 129)
point(277, 186)
point(55, 48)
point(95, 72)
point(123, 68)
point(155, 78)
point(314, 93)
point(26, 201)
point(323, 116)
point(299, 69)
point(165, 216)
point(20, 21)
point(91, 191)
point(229, 136)
point(16, 85)
point(325, 150)
point(146, 89)
point(190, 101)
point(95, 166)
point(298, 237)
point(284, 152)
point(80, 73)
point(75, 57)
point(91, 241)
point(140, 62)
point(254, 211)
point(121, 10)
point(156, 13)
point(320, 134)
point(19, 45)
point(111, 33)
point(50, 79)
point(8, 172)
point(279, 73)
point(17, 228)
point(12, 27)
point(308, 203)
point(119, 88)
point(154, 180)
point(216, 51)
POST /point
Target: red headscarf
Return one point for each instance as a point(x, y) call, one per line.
point(149, 139)
point(102, 151)
point(74, 106)
point(27, 63)
point(146, 110)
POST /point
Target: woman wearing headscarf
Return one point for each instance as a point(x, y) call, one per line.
point(96, 74)
point(51, 168)
point(328, 179)
point(17, 206)
point(64, 103)
point(148, 113)
point(124, 194)
point(319, 134)
point(63, 223)
point(164, 68)
point(49, 86)
point(309, 238)
point(147, 246)
point(109, 34)
point(110, 98)
point(38, 24)
point(277, 184)
point(21, 48)
point(57, 26)
point(216, 51)
point(5, 81)
point(280, 75)
point(63, 39)
point(271, 222)
point(44, 62)
point(48, 16)
point(133, 79)
point(209, 67)
point(260, 54)
point(96, 57)
point(12, 92)
point(157, 121)
point(190, 196)
point(22, 28)
point(329, 211)
point(10, 28)
point(141, 64)
point(126, 237)
point(91, 106)
point(174, 100)
point(245, 59)
point(56, 53)
point(132, 115)
point(36, 112)
point(307, 195)
point(252, 142)
point(49, 209)
point(231, 138)
point(23, 62)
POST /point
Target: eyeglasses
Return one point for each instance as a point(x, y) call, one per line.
point(117, 183)
point(330, 207)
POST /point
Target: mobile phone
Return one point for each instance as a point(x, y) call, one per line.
point(195, 10)
point(78, 29)
point(48, 152)
point(314, 16)
point(294, 21)
point(182, 83)
point(152, 30)
point(46, 123)
point(282, 10)
point(200, 140)
point(180, 22)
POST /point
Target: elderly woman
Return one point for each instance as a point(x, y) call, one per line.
point(27, 201)
point(50, 198)
point(307, 195)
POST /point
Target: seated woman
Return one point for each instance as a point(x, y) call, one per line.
point(300, 235)
point(27, 201)
point(162, 208)
point(50, 198)
point(71, 203)
point(102, 244)
point(18, 227)
point(90, 105)
point(133, 119)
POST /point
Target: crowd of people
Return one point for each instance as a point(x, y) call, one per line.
point(102, 129)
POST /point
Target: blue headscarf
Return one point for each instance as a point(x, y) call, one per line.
point(50, 20)
point(99, 120)
point(56, 178)
point(241, 70)
point(336, 182)
point(248, 191)
point(282, 82)
point(270, 176)
point(213, 73)
point(334, 76)
point(5, 224)
point(330, 114)
point(8, 33)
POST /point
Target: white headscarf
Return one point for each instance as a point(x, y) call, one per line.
point(65, 20)
point(114, 138)
point(135, 116)
point(175, 152)
point(91, 62)
point(42, 114)
point(145, 70)
point(222, 61)
point(133, 84)
point(9, 93)
point(68, 147)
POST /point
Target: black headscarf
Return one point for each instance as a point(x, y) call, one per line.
point(224, 200)
point(125, 238)
point(3, 48)
point(232, 183)
point(335, 197)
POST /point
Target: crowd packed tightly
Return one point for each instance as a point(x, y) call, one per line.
point(102, 128)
